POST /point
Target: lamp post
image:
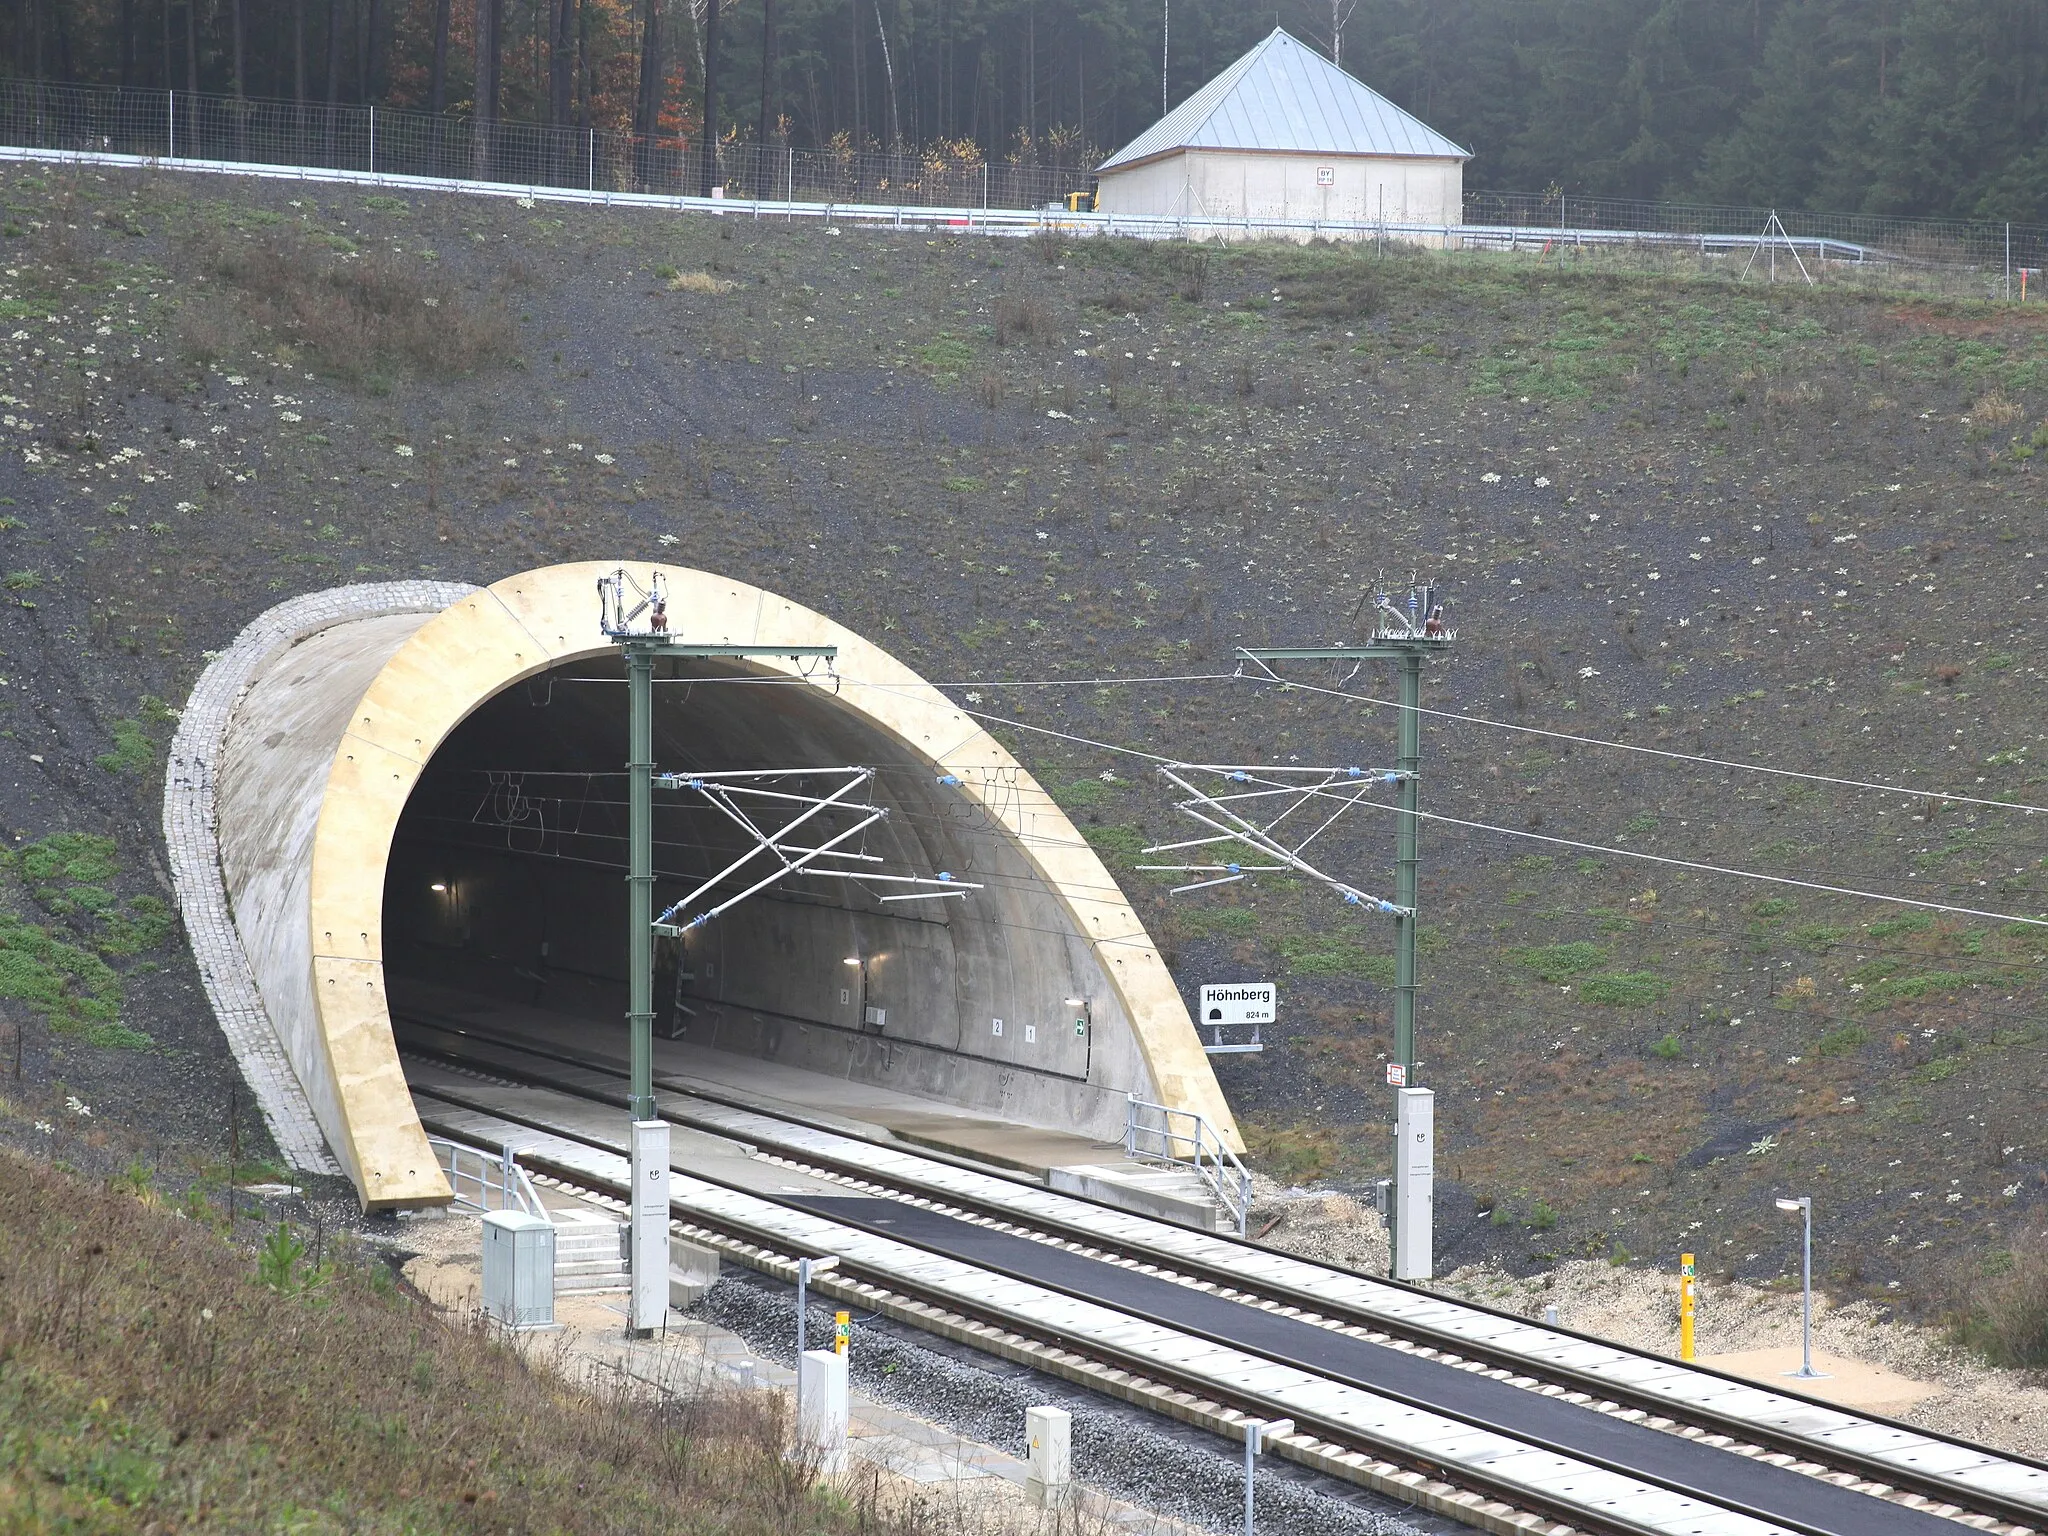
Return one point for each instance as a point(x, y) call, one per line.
point(1803, 1207)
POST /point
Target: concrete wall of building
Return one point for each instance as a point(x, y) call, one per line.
point(1237, 184)
point(326, 750)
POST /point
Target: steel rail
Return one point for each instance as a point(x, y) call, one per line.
point(1582, 1517)
point(1866, 1467)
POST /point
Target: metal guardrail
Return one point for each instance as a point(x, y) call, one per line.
point(1185, 1139)
point(485, 1183)
point(990, 221)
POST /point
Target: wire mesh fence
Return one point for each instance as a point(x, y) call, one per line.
point(177, 125)
point(1930, 242)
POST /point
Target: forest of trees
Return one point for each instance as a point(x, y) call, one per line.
point(1882, 106)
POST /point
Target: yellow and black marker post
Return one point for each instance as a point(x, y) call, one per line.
point(842, 1332)
point(1685, 1302)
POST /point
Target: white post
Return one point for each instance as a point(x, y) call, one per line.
point(822, 1408)
point(591, 152)
point(648, 1308)
point(1050, 1481)
point(1414, 1182)
point(373, 138)
point(171, 119)
point(1806, 1292)
point(805, 1269)
point(1256, 1433)
point(2008, 262)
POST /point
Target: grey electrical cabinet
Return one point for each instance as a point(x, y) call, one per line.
point(519, 1269)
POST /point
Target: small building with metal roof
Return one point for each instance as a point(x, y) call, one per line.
point(1284, 134)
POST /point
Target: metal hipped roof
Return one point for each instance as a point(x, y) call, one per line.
point(1285, 96)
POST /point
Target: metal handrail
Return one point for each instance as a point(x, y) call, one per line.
point(1150, 1132)
point(485, 1183)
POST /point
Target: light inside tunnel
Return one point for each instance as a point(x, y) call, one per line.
point(523, 810)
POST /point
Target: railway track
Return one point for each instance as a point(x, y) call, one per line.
point(1722, 1449)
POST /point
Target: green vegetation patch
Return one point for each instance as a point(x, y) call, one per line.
point(133, 751)
point(1123, 844)
point(71, 987)
point(1839, 1042)
point(946, 354)
point(64, 863)
point(1818, 937)
point(1329, 955)
point(1907, 989)
point(1559, 963)
point(1220, 922)
point(1625, 989)
point(1910, 922)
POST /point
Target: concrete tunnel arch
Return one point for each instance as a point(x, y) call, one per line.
point(347, 756)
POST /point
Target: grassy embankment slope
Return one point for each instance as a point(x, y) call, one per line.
point(151, 1382)
point(1769, 524)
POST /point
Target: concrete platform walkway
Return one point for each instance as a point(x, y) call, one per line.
point(1848, 1383)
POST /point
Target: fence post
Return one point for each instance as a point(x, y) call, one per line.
point(789, 180)
point(373, 138)
point(171, 121)
point(2008, 262)
point(984, 186)
point(592, 159)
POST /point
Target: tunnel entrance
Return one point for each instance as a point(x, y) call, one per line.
point(507, 880)
point(407, 799)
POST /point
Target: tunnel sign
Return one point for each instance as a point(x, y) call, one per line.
point(1249, 1002)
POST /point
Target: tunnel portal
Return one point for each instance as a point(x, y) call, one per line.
point(421, 810)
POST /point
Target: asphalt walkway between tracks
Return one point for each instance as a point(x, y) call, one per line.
point(1703, 1471)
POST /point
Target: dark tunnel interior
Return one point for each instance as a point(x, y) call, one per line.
point(507, 881)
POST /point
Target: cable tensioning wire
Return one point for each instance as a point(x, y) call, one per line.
point(1481, 826)
point(1709, 869)
point(1272, 679)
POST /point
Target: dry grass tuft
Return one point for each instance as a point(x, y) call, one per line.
point(2001, 1310)
point(1024, 317)
point(701, 282)
point(1804, 392)
point(1995, 409)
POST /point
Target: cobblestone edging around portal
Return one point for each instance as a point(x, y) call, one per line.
point(191, 834)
